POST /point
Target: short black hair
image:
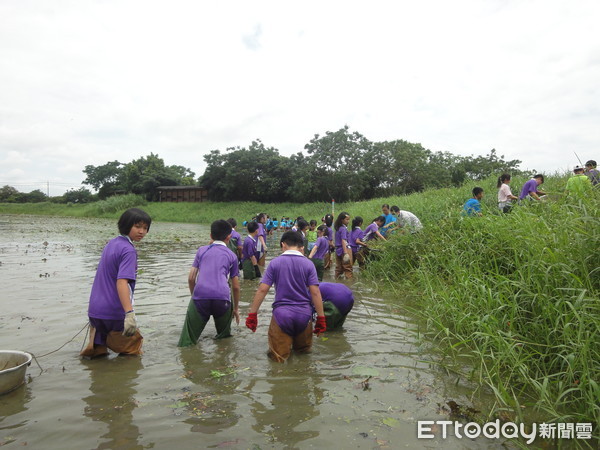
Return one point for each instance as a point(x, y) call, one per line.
point(220, 229)
point(302, 224)
point(379, 219)
point(232, 222)
point(385, 205)
point(322, 228)
point(477, 190)
point(292, 238)
point(540, 176)
point(395, 209)
point(252, 226)
point(131, 217)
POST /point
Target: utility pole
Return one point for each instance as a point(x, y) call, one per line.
point(48, 189)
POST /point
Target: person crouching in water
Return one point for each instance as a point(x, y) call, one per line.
point(208, 280)
point(338, 301)
point(112, 318)
point(296, 293)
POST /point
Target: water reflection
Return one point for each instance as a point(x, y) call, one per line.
point(13, 403)
point(113, 386)
point(212, 367)
point(295, 396)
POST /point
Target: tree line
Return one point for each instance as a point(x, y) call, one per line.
point(340, 165)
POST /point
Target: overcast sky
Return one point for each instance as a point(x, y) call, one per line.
point(87, 82)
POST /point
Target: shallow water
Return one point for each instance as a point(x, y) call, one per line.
point(219, 394)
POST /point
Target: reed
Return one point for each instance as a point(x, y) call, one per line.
point(519, 293)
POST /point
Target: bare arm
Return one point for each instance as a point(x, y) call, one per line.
point(235, 286)
point(192, 279)
point(260, 295)
point(124, 294)
point(317, 301)
point(313, 251)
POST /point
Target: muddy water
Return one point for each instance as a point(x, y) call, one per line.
point(219, 394)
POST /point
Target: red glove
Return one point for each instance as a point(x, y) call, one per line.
point(252, 321)
point(320, 325)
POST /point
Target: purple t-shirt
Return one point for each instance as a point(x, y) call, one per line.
point(118, 261)
point(529, 187)
point(370, 232)
point(329, 234)
point(339, 294)
point(292, 274)
point(322, 245)
point(355, 234)
point(236, 238)
point(215, 264)
point(249, 248)
point(341, 233)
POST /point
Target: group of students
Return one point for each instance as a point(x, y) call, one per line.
point(214, 286)
point(579, 184)
point(342, 237)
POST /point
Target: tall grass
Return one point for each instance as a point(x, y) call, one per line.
point(520, 293)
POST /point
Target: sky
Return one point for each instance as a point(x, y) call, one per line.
point(85, 82)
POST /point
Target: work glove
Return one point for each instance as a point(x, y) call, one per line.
point(257, 271)
point(346, 258)
point(129, 325)
point(252, 321)
point(320, 325)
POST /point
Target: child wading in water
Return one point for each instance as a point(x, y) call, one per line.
point(319, 250)
point(112, 318)
point(208, 280)
point(343, 253)
point(296, 293)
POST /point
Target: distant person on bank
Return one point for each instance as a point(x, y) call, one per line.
point(579, 185)
point(472, 207)
point(531, 189)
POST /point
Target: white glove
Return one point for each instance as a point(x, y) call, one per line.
point(129, 325)
point(346, 258)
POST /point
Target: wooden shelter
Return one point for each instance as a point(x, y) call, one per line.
point(182, 194)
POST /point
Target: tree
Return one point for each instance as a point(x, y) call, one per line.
point(142, 176)
point(81, 195)
point(8, 194)
point(105, 178)
point(338, 159)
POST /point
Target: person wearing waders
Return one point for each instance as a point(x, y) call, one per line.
point(338, 301)
point(296, 294)
point(214, 266)
point(112, 319)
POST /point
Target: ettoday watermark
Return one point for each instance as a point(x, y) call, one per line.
point(429, 429)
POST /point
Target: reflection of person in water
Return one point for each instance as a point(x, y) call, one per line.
point(113, 400)
point(213, 374)
point(295, 400)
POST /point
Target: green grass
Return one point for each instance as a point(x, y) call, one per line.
point(519, 294)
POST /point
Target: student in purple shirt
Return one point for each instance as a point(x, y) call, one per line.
point(214, 266)
point(296, 293)
point(372, 231)
point(530, 189)
point(356, 241)
point(338, 301)
point(250, 254)
point(112, 319)
point(343, 253)
point(319, 250)
point(235, 242)
point(328, 221)
point(262, 238)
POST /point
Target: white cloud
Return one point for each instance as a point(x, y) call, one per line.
point(86, 82)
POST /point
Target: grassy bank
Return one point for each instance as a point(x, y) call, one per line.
point(519, 294)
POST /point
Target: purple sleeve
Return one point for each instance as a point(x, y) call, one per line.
point(235, 270)
point(128, 266)
point(268, 275)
